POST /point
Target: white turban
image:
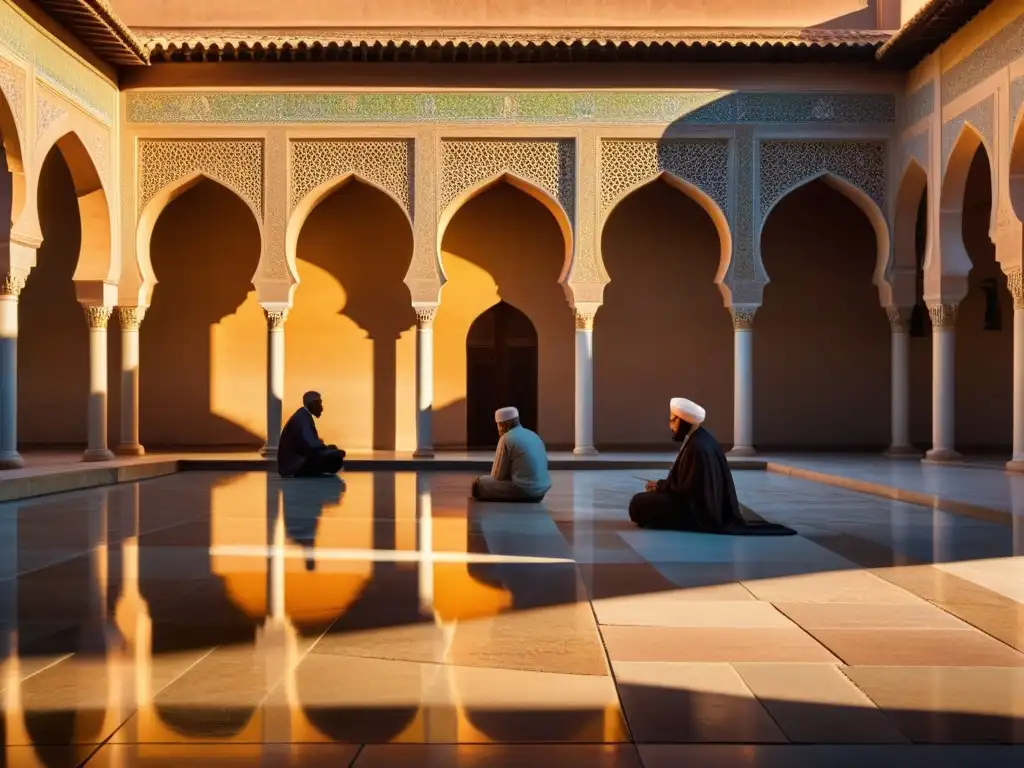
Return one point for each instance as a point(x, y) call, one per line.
point(687, 410)
point(506, 414)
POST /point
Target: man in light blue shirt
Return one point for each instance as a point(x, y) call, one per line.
point(520, 469)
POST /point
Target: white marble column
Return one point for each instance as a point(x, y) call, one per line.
point(584, 411)
point(1015, 283)
point(98, 318)
point(275, 379)
point(899, 371)
point(131, 321)
point(10, 289)
point(743, 381)
point(943, 317)
point(424, 380)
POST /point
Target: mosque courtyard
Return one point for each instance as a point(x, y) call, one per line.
point(232, 618)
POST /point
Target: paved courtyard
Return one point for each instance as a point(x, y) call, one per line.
point(228, 618)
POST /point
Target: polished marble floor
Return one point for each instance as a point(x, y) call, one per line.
point(236, 619)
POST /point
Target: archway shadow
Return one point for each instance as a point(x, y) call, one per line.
point(503, 245)
point(53, 359)
point(203, 341)
point(360, 237)
point(662, 331)
point(984, 333)
point(820, 357)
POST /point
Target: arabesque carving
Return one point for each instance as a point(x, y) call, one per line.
point(785, 164)
point(131, 317)
point(899, 318)
point(237, 164)
point(743, 318)
point(943, 315)
point(385, 163)
point(425, 315)
point(275, 318)
point(12, 285)
point(12, 86)
point(275, 174)
point(743, 267)
point(629, 163)
point(584, 319)
point(47, 113)
point(546, 163)
point(1015, 284)
point(424, 276)
point(98, 317)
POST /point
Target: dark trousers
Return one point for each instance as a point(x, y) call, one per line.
point(659, 511)
point(327, 461)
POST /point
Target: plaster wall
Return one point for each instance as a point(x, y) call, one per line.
point(588, 14)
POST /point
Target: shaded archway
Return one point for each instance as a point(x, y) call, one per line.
point(501, 370)
point(350, 334)
point(504, 245)
point(662, 331)
point(203, 342)
point(12, 168)
point(821, 351)
point(53, 345)
point(1017, 168)
point(984, 330)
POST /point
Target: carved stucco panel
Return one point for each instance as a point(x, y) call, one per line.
point(627, 164)
point(385, 163)
point(48, 111)
point(915, 148)
point(588, 276)
point(424, 277)
point(237, 164)
point(12, 85)
point(275, 173)
point(546, 163)
point(981, 116)
point(743, 268)
point(1016, 101)
point(785, 164)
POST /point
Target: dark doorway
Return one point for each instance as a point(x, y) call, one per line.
point(501, 370)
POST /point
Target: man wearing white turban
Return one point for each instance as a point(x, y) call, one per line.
point(520, 468)
point(698, 494)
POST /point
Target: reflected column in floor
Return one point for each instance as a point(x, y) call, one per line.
point(98, 318)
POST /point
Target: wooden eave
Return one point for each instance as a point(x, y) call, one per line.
point(95, 24)
point(930, 27)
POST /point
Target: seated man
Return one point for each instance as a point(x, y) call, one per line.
point(698, 494)
point(301, 452)
point(520, 469)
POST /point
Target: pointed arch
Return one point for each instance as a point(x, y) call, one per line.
point(96, 258)
point(1017, 166)
point(859, 198)
point(699, 196)
point(14, 152)
point(302, 210)
point(150, 214)
point(540, 195)
point(897, 283)
point(955, 258)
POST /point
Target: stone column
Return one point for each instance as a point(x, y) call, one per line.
point(1015, 283)
point(743, 381)
point(131, 321)
point(97, 318)
point(943, 317)
point(10, 289)
point(425, 380)
point(584, 416)
point(899, 324)
point(275, 379)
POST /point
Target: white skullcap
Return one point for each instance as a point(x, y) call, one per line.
point(687, 410)
point(506, 414)
point(309, 398)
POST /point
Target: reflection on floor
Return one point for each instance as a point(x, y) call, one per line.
point(238, 619)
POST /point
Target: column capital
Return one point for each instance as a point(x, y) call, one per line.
point(425, 314)
point(98, 317)
point(584, 318)
point(899, 318)
point(275, 318)
point(131, 317)
point(12, 285)
point(943, 315)
point(1015, 282)
point(743, 318)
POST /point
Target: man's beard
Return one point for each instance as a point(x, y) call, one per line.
point(679, 433)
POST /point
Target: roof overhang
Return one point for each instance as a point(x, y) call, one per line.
point(95, 24)
point(511, 45)
point(930, 27)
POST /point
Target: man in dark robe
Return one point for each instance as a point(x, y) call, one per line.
point(301, 452)
point(698, 494)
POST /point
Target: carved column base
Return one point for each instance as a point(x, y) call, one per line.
point(586, 450)
point(901, 452)
point(1016, 466)
point(741, 451)
point(130, 449)
point(942, 456)
point(269, 452)
point(98, 454)
point(11, 460)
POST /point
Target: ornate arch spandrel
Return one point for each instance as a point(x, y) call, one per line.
point(12, 127)
point(980, 117)
point(699, 167)
point(386, 164)
point(424, 277)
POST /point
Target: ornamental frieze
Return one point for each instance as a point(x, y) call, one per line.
point(991, 56)
point(531, 107)
point(385, 163)
point(981, 117)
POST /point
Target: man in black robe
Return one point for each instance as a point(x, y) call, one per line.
point(698, 494)
point(301, 452)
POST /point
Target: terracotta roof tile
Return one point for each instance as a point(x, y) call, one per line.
point(96, 24)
